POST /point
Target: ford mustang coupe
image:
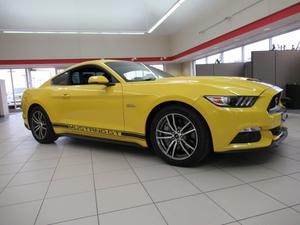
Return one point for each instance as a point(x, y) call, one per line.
point(181, 118)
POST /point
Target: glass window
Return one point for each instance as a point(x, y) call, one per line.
point(200, 61)
point(289, 40)
point(19, 83)
point(256, 46)
point(5, 75)
point(213, 58)
point(62, 79)
point(81, 75)
point(158, 66)
point(233, 55)
point(41, 75)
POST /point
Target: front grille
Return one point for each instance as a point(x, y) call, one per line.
point(246, 137)
point(274, 102)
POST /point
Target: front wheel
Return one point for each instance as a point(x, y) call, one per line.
point(41, 126)
point(180, 136)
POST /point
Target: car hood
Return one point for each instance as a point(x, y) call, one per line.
point(233, 85)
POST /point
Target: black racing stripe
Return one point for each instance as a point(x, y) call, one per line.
point(60, 125)
point(129, 134)
point(124, 133)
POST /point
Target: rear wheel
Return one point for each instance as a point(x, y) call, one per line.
point(41, 126)
point(180, 136)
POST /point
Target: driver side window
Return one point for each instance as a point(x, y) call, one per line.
point(81, 75)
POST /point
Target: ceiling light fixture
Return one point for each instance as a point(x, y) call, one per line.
point(170, 11)
point(68, 32)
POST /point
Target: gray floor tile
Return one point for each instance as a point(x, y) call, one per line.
point(198, 169)
point(32, 177)
point(285, 216)
point(10, 168)
point(75, 160)
point(121, 197)
point(115, 178)
point(4, 179)
point(72, 171)
point(70, 186)
point(39, 165)
point(250, 173)
point(144, 159)
point(92, 220)
point(23, 193)
point(244, 201)
point(20, 214)
point(284, 189)
point(169, 188)
point(193, 210)
point(212, 180)
point(67, 208)
point(112, 165)
point(146, 215)
point(155, 172)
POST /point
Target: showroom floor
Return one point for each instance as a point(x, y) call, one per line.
point(73, 181)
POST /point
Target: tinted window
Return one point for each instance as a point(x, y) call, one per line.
point(131, 71)
point(63, 79)
point(81, 75)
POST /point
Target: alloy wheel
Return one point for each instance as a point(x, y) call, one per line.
point(39, 125)
point(176, 136)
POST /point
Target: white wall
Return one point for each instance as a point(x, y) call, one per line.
point(189, 36)
point(68, 46)
point(58, 46)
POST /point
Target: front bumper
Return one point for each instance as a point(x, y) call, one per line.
point(226, 123)
point(280, 137)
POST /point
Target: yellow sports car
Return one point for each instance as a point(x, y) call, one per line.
point(181, 118)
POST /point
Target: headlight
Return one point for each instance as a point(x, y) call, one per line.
point(232, 101)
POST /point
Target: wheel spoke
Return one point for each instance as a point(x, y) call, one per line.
point(35, 120)
point(190, 131)
point(185, 126)
point(188, 145)
point(166, 137)
point(174, 148)
point(174, 122)
point(183, 148)
point(164, 132)
point(168, 121)
point(170, 145)
point(36, 128)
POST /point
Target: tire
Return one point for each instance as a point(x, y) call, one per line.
point(40, 126)
point(186, 145)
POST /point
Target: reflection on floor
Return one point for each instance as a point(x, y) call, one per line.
point(85, 182)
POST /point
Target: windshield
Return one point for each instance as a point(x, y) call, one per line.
point(132, 71)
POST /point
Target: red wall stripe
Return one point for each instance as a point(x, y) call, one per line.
point(292, 10)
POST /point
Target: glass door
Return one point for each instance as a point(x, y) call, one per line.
point(5, 74)
point(19, 83)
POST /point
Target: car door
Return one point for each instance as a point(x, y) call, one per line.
point(88, 106)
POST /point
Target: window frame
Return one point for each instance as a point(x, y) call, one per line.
point(114, 80)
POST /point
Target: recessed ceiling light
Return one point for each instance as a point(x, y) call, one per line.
point(68, 32)
point(161, 20)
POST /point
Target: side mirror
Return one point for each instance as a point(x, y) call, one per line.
point(98, 80)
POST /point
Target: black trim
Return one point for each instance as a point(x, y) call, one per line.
point(104, 140)
point(136, 135)
point(59, 125)
point(101, 130)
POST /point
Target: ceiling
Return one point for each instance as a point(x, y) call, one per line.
point(108, 15)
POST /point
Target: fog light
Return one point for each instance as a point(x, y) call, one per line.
point(253, 129)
